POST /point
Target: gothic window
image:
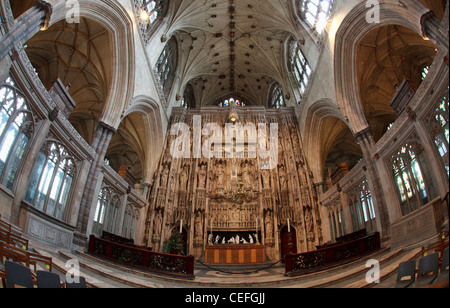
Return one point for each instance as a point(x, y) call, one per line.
point(166, 66)
point(409, 178)
point(130, 222)
point(366, 202)
point(106, 212)
point(439, 125)
point(51, 180)
point(230, 102)
point(276, 99)
point(299, 67)
point(16, 130)
point(425, 72)
point(150, 14)
point(362, 210)
point(315, 13)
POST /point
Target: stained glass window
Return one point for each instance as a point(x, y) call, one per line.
point(149, 14)
point(51, 180)
point(316, 13)
point(276, 99)
point(299, 66)
point(409, 179)
point(16, 130)
point(439, 126)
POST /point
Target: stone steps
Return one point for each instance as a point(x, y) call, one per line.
point(101, 273)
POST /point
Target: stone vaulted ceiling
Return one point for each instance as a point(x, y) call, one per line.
point(232, 48)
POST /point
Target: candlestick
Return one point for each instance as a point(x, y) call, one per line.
point(289, 226)
point(181, 226)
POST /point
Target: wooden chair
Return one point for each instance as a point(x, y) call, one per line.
point(406, 274)
point(48, 280)
point(78, 282)
point(428, 270)
point(18, 276)
point(443, 275)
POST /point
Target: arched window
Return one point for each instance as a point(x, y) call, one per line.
point(166, 66)
point(299, 66)
point(409, 178)
point(108, 204)
point(150, 13)
point(16, 130)
point(361, 206)
point(230, 102)
point(51, 180)
point(276, 99)
point(439, 126)
point(315, 13)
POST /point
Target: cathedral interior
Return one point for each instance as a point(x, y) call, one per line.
point(276, 126)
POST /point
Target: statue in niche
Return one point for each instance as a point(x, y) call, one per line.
point(250, 238)
point(246, 176)
point(202, 177)
point(158, 223)
point(164, 176)
point(220, 175)
point(184, 178)
point(198, 226)
point(283, 178)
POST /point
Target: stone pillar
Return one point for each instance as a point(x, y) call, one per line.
point(28, 24)
point(365, 140)
point(432, 29)
point(100, 145)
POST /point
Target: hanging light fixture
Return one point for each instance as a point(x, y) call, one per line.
point(233, 116)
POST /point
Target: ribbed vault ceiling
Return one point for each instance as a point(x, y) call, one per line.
point(243, 59)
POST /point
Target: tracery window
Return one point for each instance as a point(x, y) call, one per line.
point(108, 204)
point(299, 66)
point(409, 173)
point(276, 99)
point(362, 210)
point(315, 13)
point(231, 102)
point(51, 180)
point(439, 126)
point(166, 66)
point(16, 130)
point(150, 14)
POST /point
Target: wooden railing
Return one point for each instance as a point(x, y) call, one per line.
point(160, 263)
point(327, 257)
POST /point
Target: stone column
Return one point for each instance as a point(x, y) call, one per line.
point(28, 24)
point(100, 145)
point(365, 140)
point(432, 29)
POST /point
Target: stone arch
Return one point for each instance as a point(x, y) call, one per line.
point(352, 29)
point(117, 21)
point(314, 125)
point(145, 112)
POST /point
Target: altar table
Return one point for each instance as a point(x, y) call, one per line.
point(235, 254)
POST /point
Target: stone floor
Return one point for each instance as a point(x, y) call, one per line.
point(103, 274)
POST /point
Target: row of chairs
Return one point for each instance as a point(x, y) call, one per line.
point(428, 273)
point(10, 236)
point(20, 276)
